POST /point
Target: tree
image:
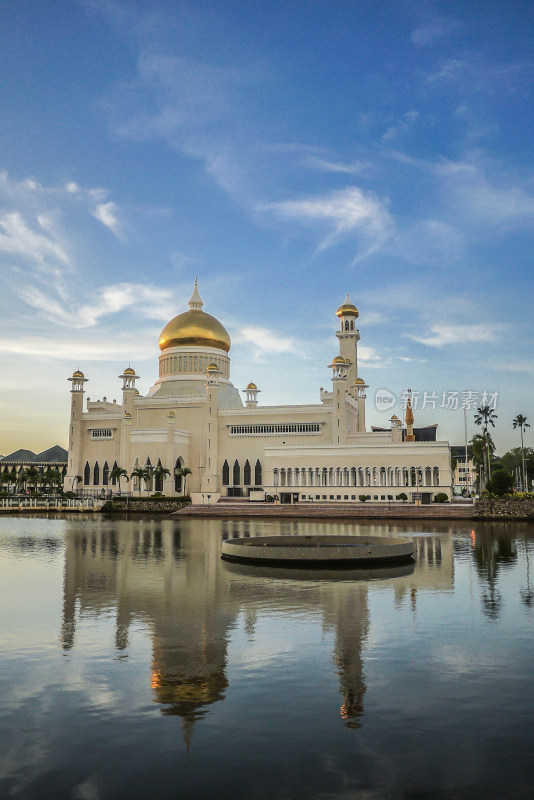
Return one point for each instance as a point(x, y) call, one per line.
point(402, 496)
point(521, 422)
point(502, 482)
point(8, 479)
point(30, 477)
point(482, 447)
point(142, 474)
point(116, 474)
point(515, 457)
point(160, 473)
point(485, 416)
point(52, 478)
point(183, 472)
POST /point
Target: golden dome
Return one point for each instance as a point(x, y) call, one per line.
point(195, 328)
point(359, 381)
point(252, 387)
point(338, 360)
point(212, 368)
point(129, 371)
point(78, 374)
point(348, 309)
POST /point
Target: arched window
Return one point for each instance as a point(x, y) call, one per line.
point(352, 324)
point(246, 473)
point(258, 478)
point(114, 479)
point(236, 473)
point(190, 363)
point(196, 363)
point(87, 474)
point(180, 364)
point(96, 474)
point(105, 474)
point(226, 474)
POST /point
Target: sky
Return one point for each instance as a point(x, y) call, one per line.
point(286, 153)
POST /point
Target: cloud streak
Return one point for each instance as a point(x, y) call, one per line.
point(347, 211)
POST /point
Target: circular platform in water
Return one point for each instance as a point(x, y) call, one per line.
point(323, 550)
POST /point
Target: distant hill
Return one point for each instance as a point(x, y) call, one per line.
point(53, 454)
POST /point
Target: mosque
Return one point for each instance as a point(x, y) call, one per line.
point(193, 417)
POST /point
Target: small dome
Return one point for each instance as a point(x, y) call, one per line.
point(212, 368)
point(348, 309)
point(359, 381)
point(136, 392)
point(78, 374)
point(252, 387)
point(129, 371)
point(395, 417)
point(338, 360)
point(127, 414)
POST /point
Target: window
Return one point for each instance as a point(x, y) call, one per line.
point(96, 474)
point(105, 474)
point(226, 474)
point(246, 473)
point(236, 473)
point(101, 433)
point(274, 429)
point(258, 477)
point(87, 474)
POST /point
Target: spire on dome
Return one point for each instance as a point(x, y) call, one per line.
point(195, 303)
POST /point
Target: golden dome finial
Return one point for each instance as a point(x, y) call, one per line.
point(348, 309)
point(195, 328)
point(195, 302)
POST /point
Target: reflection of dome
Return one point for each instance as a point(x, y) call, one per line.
point(195, 328)
point(348, 309)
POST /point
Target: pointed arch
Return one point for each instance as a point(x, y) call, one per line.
point(236, 473)
point(258, 476)
point(105, 474)
point(226, 473)
point(96, 474)
point(86, 474)
point(246, 473)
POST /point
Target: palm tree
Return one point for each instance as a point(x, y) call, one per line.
point(160, 472)
point(486, 416)
point(51, 478)
point(142, 474)
point(183, 472)
point(482, 449)
point(521, 422)
point(116, 474)
point(30, 476)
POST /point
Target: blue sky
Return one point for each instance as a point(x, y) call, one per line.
point(285, 153)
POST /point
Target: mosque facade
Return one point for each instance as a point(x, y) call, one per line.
point(193, 417)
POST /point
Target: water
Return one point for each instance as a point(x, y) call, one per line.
point(137, 664)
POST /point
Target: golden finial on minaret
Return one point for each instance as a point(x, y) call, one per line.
point(410, 436)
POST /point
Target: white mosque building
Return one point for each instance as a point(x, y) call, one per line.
point(194, 417)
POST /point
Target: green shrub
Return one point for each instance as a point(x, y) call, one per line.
point(269, 498)
point(441, 497)
point(157, 495)
point(501, 483)
point(402, 496)
point(363, 498)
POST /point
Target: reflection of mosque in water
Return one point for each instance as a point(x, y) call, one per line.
point(170, 576)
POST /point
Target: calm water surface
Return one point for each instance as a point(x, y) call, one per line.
point(137, 664)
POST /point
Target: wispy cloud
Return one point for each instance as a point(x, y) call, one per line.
point(442, 335)
point(264, 341)
point(346, 211)
point(106, 213)
point(39, 244)
point(340, 167)
point(149, 301)
point(101, 347)
point(428, 32)
point(403, 125)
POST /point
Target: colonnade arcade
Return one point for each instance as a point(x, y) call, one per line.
point(356, 476)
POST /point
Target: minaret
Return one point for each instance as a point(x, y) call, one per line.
point(339, 368)
point(252, 395)
point(349, 336)
point(195, 301)
point(128, 394)
point(410, 436)
point(210, 483)
point(74, 467)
